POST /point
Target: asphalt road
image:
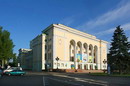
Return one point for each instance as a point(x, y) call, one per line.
point(63, 79)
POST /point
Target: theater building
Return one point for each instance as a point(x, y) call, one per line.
point(62, 47)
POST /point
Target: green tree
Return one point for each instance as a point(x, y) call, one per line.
point(15, 61)
point(0, 45)
point(6, 46)
point(119, 52)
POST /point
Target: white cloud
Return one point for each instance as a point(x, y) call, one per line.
point(125, 27)
point(67, 21)
point(109, 31)
point(118, 13)
point(129, 39)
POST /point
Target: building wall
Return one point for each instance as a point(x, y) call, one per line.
point(49, 48)
point(64, 42)
point(37, 46)
point(63, 35)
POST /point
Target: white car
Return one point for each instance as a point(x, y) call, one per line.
point(11, 69)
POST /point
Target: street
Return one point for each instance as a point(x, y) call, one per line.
point(62, 79)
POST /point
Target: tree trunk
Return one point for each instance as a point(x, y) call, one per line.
point(2, 63)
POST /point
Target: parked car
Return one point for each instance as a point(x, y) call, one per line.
point(16, 72)
point(11, 69)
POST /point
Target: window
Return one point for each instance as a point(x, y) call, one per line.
point(45, 47)
point(65, 65)
point(45, 56)
point(50, 64)
point(49, 56)
point(49, 47)
point(58, 64)
point(45, 40)
point(72, 58)
point(62, 64)
point(94, 60)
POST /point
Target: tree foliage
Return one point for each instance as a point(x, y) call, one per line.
point(119, 56)
point(6, 45)
point(15, 61)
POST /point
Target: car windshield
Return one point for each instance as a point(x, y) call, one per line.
point(16, 70)
point(9, 68)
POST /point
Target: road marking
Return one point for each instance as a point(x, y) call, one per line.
point(43, 81)
point(65, 82)
point(98, 82)
point(92, 81)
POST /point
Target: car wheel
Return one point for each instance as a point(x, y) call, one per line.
point(9, 74)
point(22, 74)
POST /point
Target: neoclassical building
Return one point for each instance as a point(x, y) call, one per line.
point(74, 50)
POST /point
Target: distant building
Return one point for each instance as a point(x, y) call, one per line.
point(25, 58)
point(75, 50)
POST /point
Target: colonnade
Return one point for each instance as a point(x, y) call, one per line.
point(83, 52)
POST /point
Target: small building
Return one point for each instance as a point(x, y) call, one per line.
point(25, 58)
point(62, 47)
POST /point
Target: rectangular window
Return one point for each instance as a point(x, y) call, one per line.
point(45, 56)
point(45, 40)
point(49, 56)
point(58, 64)
point(45, 47)
point(62, 64)
point(50, 64)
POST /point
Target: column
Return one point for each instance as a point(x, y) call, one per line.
point(75, 50)
point(93, 54)
point(88, 56)
point(82, 52)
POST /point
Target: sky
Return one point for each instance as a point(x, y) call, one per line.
point(25, 19)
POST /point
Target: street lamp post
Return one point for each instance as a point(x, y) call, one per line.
point(57, 59)
point(104, 61)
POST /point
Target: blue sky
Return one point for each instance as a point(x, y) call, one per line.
point(25, 19)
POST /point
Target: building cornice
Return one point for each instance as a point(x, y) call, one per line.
point(74, 31)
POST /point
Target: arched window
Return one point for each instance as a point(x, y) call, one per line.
point(72, 50)
point(90, 50)
point(95, 54)
point(85, 53)
point(90, 58)
point(85, 46)
point(79, 47)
